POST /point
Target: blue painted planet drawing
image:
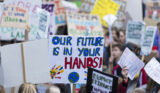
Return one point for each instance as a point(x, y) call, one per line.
point(73, 77)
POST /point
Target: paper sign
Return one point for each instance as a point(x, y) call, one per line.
point(36, 63)
point(9, 33)
point(70, 57)
point(83, 25)
point(14, 17)
point(134, 32)
point(87, 5)
point(132, 62)
point(105, 7)
point(44, 21)
point(50, 8)
point(153, 70)
point(99, 82)
point(148, 39)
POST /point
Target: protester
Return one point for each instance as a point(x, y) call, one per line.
point(117, 51)
point(2, 89)
point(27, 88)
point(115, 34)
point(122, 37)
point(53, 89)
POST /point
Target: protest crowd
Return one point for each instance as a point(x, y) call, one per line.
point(79, 46)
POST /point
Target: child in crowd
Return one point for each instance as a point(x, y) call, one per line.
point(27, 88)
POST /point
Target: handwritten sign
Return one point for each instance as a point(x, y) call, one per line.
point(87, 5)
point(59, 13)
point(134, 32)
point(50, 8)
point(103, 8)
point(99, 82)
point(71, 56)
point(31, 6)
point(147, 41)
point(132, 62)
point(83, 25)
point(9, 33)
point(153, 70)
point(14, 17)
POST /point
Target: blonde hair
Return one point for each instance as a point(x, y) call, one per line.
point(2, 89)
point(27, 88)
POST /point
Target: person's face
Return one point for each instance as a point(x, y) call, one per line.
point(54, 90)
point(116, 52)
point(114, 34)
point(122, 37)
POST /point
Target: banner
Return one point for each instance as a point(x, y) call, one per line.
point(132, 62)
point(83, 25)
point(153, 70)
point(99, 82)
point(103, 8)
point(148, 39)
point(87, 5)
point(14, 17)
point(71, 56)
point(134, 32)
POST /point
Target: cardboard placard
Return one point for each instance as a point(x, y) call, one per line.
point(16, 17)
point(83, 25)
point(134, 32)
point(105, 7)
point(99, 82)
point(70, 57)
point(34, 55)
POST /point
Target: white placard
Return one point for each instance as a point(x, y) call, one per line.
point(153, 70)
point(148, 39)
point(134, 32)
point(70, 57)
point(132, 62)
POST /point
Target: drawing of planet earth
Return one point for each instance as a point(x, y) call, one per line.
point(73, 77)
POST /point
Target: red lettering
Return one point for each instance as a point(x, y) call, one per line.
point(96, 63)
point(68, 63)
point(89, 62)
point(81, 63)
point(100, 64)
point(76, 63)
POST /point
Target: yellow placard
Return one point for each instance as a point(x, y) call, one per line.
point(104, 7)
